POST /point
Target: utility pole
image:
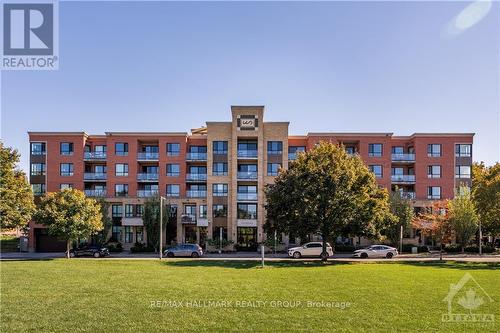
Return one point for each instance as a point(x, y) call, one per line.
point(480, 239)
point(401, 239)
point(161, 227)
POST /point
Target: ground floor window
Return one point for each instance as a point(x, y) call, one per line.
point(128, 234)
point(115, 233)
point(216, 233)
point(247, 239)
point(190, 234)
point(139, 234)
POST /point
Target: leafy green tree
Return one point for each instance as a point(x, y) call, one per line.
point(436, 222)
point(16, 204)
point(327, 192)
point(486, 195)
point(463, 216)
point(70, 215)
point(151, 220)
point(403, 214)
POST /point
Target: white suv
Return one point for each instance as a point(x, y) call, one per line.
point(312, 249)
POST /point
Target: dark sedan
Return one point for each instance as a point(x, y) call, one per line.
point(93, 251)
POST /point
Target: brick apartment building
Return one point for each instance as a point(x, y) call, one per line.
point(213, 178)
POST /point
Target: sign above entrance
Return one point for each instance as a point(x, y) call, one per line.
point(247, 223)
point(247, 122)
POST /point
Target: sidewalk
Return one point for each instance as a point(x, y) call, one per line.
point(242, 256)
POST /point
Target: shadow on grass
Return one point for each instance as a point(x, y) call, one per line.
point(26, 259)
point(248, 264)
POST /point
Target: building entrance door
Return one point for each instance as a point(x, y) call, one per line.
point(247, 239)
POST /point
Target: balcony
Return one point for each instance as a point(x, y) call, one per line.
point(247, 196)
point(196, 193)
point(94, 155)
point(94, 176)
point(188, 219)
point(247, 154)
point(147, 156)
point(147, 193)
point(196, 177)
point(95, 193)
point(147, 177)
point(403, 157)
point(407, 195)
point(405, 179)
point(247, 175)
point(196, 156)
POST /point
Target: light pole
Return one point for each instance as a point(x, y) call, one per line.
point(161, 226)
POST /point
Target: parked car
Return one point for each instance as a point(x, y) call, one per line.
point(376, 251)
point(311, 249)
point(94, 251)
point(184, 250)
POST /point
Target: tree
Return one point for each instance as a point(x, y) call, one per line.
point(486, 196)
point(327, 192)
point(463, 216)
point(107, 221)
point(403, 214)
point(16, 206)
point(151, 220)
point(69, 215)
point(436, 222)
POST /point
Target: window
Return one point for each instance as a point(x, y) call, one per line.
point(462, 171)
point(121, 190)
point(377, 170)
point(220, 147)
point(116, 210)
point(101, 169)
point(150, 149)
point(100, 149)
point(173, 170)
point(219, 210)
point(139, 234)
point(173, 149)
point(38, 169)
point(293, 150)
point(128, 234)
point(219, 169)
point(115, 233)
point(190, 210)
point(397, 171)
point(350, 150)
point(398, 150)
point(203, 212)
point(173, 190)
point(139, 210)
point(247, 192)
point(375, 150)
point(463, 150)
point(219, 190)
point(434, 192)
point(172, 211)
point(66, 169)
point(216, 233)
point(273, 169)
point(66, 148)
point(198, 149)
point(434, 171)
point(38, 148)
point(65, 186)
point(434, 150)
point(121, 169)
point(121, 149)
point(129, 210)
point(247, 211)
point(38, 189)
point(274, 147)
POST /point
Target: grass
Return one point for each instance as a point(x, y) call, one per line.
point(80, 295)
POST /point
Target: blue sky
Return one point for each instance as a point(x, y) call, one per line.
point(324, 66)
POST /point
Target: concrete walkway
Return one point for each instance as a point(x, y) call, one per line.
point(252, 256)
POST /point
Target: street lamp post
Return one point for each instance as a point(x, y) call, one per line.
point(161, 227)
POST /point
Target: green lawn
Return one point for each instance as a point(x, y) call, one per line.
point(115, 296)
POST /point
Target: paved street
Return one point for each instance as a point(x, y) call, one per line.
point(340, 257)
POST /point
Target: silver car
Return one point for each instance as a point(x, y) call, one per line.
point(376, 251)
point(184, 250)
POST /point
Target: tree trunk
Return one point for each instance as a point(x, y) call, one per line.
point(324, 254)
point(68, 243)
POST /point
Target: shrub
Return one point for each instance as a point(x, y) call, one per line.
point(420, 248)
point(141, 247)
point(216, 242)
point(344, 248)
point(452, 248)
point(475, 249)
point(115, 247)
